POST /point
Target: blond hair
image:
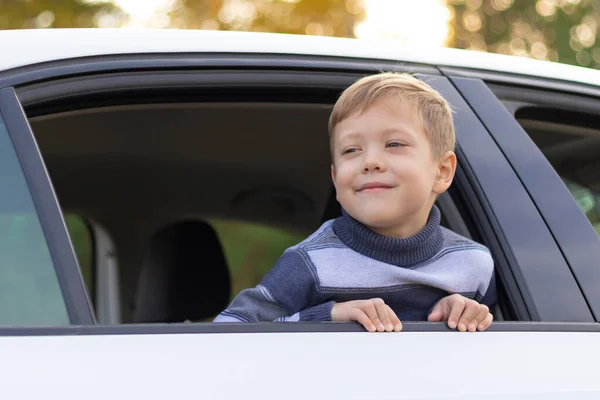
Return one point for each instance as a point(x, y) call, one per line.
point(433, 110)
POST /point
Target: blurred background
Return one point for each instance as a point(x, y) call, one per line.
point(564, 31)
point(558, 30)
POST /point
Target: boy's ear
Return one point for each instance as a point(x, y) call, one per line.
point(446, 170)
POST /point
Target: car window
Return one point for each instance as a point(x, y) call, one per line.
point(30, 294)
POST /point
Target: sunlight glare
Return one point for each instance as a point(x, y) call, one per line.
point(141, 12)
point(423, 22)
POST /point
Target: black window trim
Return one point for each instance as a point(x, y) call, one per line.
point(49, 213)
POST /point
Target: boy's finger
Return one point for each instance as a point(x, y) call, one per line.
point(486, 322)
point(479, 318)
point(437, 313)
point(470, 311)
point(369, 309)
point(394, 319)
point(455, 313)
point(359, 316)
point(382, 312)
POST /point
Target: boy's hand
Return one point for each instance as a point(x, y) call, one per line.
point(373, 314)
point(466, 314)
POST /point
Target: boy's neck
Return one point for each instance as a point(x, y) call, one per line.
point(398, 251)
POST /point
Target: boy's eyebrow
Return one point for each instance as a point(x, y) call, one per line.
point(398, 130)
point(350, 135)
point(358, 134)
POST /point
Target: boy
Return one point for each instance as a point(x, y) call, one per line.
point(386, 258)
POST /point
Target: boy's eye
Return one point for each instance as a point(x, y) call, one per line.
point(350, 150)
point(394, 144)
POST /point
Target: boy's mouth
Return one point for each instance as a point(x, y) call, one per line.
point(373, 187)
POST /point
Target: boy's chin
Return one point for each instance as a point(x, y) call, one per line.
point(377, 220)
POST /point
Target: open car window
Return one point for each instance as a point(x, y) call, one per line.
point(263, 160)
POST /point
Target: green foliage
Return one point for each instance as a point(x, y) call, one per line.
point(556, 30)
point(23, 14)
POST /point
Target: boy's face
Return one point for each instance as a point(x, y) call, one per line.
point(384, 171)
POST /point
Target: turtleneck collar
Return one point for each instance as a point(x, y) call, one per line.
point(403, 252)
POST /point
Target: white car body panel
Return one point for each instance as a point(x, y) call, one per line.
point(406, 365)
point(24, 47)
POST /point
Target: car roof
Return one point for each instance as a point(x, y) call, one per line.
point(26, 47)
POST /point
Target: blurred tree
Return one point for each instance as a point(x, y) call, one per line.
point(312, 17)
point(557, 30)
point(22, 14)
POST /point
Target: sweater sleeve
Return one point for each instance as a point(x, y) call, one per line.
point(282, 295)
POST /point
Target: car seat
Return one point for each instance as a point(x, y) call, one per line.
point(184, 277)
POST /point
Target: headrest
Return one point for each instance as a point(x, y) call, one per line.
point(185, 275)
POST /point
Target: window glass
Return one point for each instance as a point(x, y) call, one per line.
point(29, 290)
point(251, 250)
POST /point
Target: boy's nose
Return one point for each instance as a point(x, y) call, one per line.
point(373, 163)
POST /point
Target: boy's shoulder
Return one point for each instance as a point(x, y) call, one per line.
point(324, 236)
point(453, 240)
point(464, 252)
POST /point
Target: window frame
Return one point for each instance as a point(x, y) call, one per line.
point(49, 213)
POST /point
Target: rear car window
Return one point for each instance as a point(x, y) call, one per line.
point(30, 294)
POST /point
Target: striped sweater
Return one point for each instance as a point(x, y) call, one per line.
point(344, 260)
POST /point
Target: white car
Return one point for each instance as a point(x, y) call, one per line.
point(149, 134)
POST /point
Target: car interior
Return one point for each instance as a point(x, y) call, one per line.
point(148, 178)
